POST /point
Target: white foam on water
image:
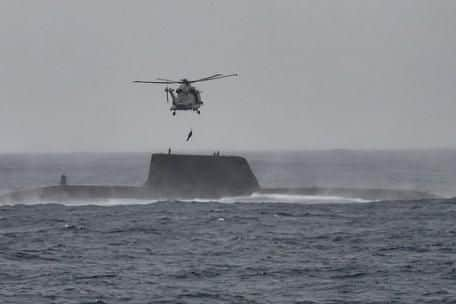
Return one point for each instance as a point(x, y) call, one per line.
point(292, 198)
point(253, 198)
point(282, 198)
point(110, 202)
point(97, 202)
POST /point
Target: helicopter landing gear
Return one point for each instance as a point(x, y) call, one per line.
point(174, 113)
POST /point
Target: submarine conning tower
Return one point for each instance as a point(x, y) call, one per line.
point(179, 175)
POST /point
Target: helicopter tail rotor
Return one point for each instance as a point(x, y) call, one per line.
point(167, 94)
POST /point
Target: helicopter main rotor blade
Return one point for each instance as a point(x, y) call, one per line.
point(159, 82)
point(206, 78)
point(168, 80)
point(219, 76)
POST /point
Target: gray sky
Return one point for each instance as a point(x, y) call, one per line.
point(313, 74)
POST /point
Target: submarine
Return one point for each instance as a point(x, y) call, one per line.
point(188, 176)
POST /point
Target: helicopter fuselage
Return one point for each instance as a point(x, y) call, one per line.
point(187, 97)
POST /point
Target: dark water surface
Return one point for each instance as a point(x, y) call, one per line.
point(184, 252)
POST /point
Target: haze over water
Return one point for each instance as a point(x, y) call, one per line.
point(422, 170)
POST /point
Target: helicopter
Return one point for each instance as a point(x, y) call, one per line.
point(187, 97)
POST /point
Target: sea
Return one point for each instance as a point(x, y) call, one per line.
point(271, 248)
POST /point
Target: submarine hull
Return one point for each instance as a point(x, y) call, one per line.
point(171, 176)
